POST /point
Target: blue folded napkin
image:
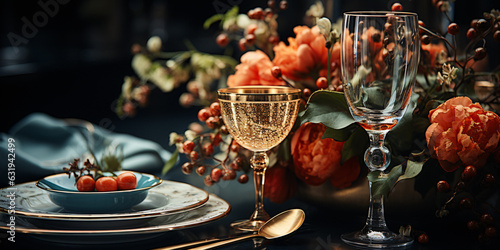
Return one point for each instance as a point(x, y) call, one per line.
point(43, 145)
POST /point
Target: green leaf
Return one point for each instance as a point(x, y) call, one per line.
point(382, 184)
point(355, 145)
point(212, 19)
point(171, 162)
point(337, 134)
point(329, 108)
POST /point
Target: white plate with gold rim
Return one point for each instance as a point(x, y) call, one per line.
point(170, 197)
point(216, 208)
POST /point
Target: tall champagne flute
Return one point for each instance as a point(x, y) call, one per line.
point(258, 118)
point(380, 55)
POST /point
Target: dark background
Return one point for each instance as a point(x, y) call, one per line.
point(74, 65)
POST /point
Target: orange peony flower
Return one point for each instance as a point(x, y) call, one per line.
point(254, 69)
point(280, 184)
point(462, 133)
point(317, 160)
point(305, 56)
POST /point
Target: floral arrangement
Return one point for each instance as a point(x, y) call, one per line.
point(445, 138)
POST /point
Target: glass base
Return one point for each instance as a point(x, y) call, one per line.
point(376, 239)
point(248, 225)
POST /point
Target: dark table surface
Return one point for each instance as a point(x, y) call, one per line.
point(321, 230)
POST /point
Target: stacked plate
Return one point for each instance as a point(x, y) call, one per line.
point(169, 206)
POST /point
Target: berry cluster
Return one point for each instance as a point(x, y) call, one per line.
point(200, 151)
point(261, 32)
point(465, 197)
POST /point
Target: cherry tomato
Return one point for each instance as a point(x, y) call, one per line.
point(126, 180)
point(106, 183)
point(85, 183)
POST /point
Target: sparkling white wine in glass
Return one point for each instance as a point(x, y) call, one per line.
point(258, 118)
point(380, 56)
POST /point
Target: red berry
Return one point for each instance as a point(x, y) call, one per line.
point(489, 179)
point(397, 7)
point(194, 155)
point(250, 38)
point(216, 139)
point(487, 219)
point(243, 178)
point(423, 238)
point(473, 23)
point(106, 183)
point(421, 23)
point(306, 93)
point(482, 25)
point(85, 183)
point(276, 72)
point(274, 39)
point(235, 147)
point(271, 3)
point(222, 40)
point(469, 173)
point(443, 186)
point(212, 122)
point(322, 83)
point(187, 168)
point(242, 44)
point(188, 146)
point(426, 39)
point(228, 174)
point(234, 165)
point(126, 181)
point(440, 5)
point(490, 232)
point(204, 114)
point(496, 36)
point(471, 33)
point(208, 181)
point(215, 109)
point(465, 203)
point(283, 5)
point(200, 170)
point(480, 53)
point(453, 29)
point(215, 174)
point(258, 13)
point(208, 149)
point(473, 225)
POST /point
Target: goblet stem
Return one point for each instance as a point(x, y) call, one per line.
point(377, 156)
point(259, 163)
point(376, 219)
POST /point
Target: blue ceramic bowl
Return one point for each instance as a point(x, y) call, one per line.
point(62, 191)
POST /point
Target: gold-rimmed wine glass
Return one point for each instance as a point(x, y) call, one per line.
point(380, 55)
point(258, 118)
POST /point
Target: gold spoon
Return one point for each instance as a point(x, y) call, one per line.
point(280, 225)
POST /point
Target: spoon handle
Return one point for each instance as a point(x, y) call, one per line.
point(225, 242)
point(190, 244)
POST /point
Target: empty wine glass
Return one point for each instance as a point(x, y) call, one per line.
point(380, 56)
point(258, 118)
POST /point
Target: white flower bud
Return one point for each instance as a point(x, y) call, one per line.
point(324, 26)
point(154, 44)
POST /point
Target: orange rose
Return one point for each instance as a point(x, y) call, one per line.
point(254, 69)
point(462, 133)
point(317, 160)
point(305, 56)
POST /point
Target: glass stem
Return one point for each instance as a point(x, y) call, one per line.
point(377, 156)
point(376, 219)
point(259, 163)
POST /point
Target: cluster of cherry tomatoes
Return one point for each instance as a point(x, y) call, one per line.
point(124, 181)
